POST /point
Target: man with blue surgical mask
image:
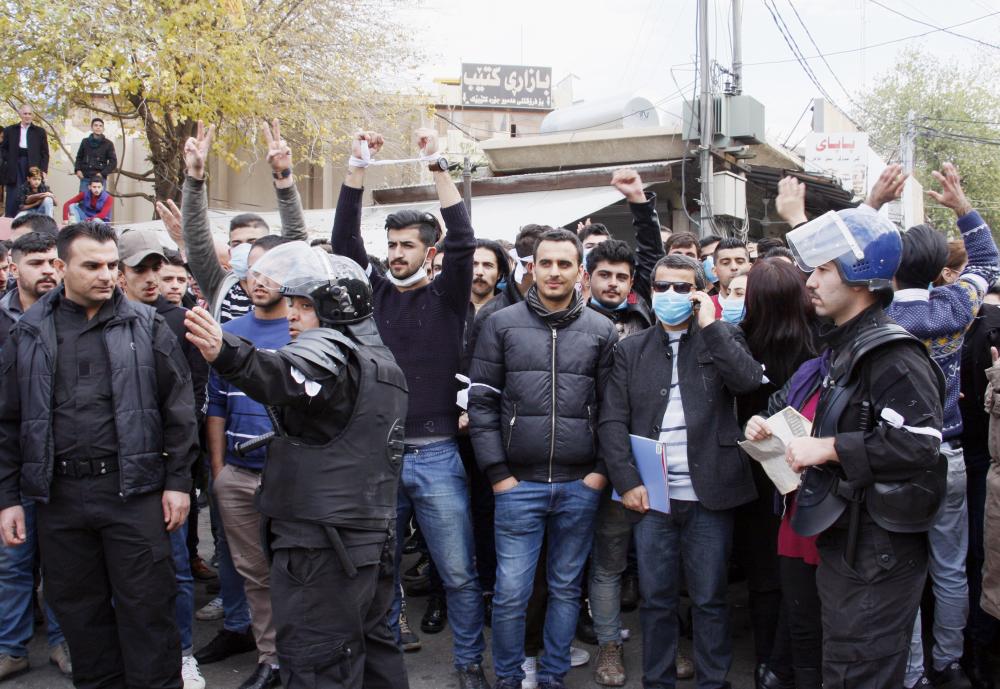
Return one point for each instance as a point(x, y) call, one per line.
point(706, 247)
point(688, 393)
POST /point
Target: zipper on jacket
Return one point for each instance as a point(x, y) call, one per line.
point(552, 441)
point(510, 431)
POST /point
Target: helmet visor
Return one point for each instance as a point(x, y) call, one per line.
point(822, 240)
point(294, 264)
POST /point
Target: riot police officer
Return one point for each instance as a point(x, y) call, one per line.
point(874, 477)
point(328, 491)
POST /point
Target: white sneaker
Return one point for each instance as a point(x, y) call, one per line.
point(578, 657)
point(530, 667)
point(191, 674)
point(212, 610)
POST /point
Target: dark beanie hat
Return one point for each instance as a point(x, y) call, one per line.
point(925, 253)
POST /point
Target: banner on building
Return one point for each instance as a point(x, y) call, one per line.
point(506, 86)
point(842, 156)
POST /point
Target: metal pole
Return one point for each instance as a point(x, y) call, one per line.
point(737, 47)
point(467, 184)
point(707, 125)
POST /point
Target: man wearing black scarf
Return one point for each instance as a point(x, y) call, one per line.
point(538, 375)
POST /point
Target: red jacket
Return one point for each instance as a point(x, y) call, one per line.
point(103, 214)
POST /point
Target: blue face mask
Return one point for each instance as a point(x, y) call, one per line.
point(709, 266)
point(733, 310)
point(502, 285)
point(672, 308)
point(620, 307)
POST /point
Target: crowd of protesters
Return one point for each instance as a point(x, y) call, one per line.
point(569, 451)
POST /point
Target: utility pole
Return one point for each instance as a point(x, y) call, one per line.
point(908, 155)
point(467, 185)
point(705, 226)
point(737, 47)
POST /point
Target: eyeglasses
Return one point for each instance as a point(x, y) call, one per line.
point(679, 287)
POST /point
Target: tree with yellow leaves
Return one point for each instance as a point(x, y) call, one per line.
point(161, 65)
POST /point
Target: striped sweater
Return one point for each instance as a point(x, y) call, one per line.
point(941, 316)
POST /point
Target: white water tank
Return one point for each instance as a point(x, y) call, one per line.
point(617, 112)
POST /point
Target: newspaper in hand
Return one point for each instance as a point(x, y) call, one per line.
point(770, 452)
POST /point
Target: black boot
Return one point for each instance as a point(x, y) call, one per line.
point(630, 593)
point(585, 626)
point(435, 617)
point(768, 679)
point(808, 678)
point(978, 667)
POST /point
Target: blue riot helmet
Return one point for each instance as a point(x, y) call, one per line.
point(865, 246)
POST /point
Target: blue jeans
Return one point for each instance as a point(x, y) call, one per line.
point(949, 544)
point(524, 514)
point(235, 608)
point(608, 561)
point(698, 539)
point(17, 585)
point(433, 486)
point(184, 603)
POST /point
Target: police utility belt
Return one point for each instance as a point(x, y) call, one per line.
point(908, 506)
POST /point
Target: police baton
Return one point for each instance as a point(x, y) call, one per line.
point(248, 446)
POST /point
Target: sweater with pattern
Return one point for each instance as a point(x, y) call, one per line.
point(941, 316)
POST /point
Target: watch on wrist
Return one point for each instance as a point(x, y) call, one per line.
point(284, 174)
point(439, 165)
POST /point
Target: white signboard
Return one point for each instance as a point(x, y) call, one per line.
point(842, 156)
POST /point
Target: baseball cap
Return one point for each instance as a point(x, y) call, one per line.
point(136, 245)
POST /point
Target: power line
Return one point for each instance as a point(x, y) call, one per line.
point(873, 45)
point(795, 126)
point(794, 47)
point(938, 28)
point(947, 119)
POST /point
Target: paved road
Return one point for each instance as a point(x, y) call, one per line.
point(430, 668)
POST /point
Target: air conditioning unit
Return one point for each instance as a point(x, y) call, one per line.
point(729, 195)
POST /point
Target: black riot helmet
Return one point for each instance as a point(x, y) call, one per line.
point(336, 285)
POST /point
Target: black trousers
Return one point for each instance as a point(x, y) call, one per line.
point(801, 612)
point(755, 547)
point(868, 609)
point(21, 166)
point(332, 629)
point(97, 548)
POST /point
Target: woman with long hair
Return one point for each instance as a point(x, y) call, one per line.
point(779, 328)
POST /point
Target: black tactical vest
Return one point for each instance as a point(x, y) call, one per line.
point(354, 477)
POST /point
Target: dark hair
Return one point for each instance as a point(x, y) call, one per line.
point(778, 318)
point(96, 119)
point(31, 243)
point(268, 242)
point(174, 258)
point(765, 244)
point(426, 223)
point(503, 260)
point(247, 220)
point(439, 247)
point(377, 264)
point(731, 243)
point(527, 238)
point(710, 239)
point(322, 241)
point(560, 235)
point(682, 262)
point(96, 177)
point(37, 222)
point(98, 231)
point(994, 289)
point(3, 250)
point(680, 240)
point(925, 254)
point(593, 228)
point(611, 251)
point(778, 252)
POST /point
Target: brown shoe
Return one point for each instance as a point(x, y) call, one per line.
point(610, 665)
point(12, 666)
point(685, 667)
point(201, 571)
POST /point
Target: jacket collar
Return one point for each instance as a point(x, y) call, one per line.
point(634, 305)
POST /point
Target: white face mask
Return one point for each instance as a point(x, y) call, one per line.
point(407, 282)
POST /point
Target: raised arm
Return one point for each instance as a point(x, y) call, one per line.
point(346, 238)
point(200, 249)
point(649, 246)
point(279, 157)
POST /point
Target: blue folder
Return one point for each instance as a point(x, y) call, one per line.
point(651, 460)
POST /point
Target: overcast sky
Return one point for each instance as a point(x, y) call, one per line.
point(648, 46)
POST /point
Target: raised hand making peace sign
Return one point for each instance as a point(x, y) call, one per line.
point(279, 155)
point(196, 150)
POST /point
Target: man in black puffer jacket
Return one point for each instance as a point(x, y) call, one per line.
point(538, 373)
point(97, 426)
